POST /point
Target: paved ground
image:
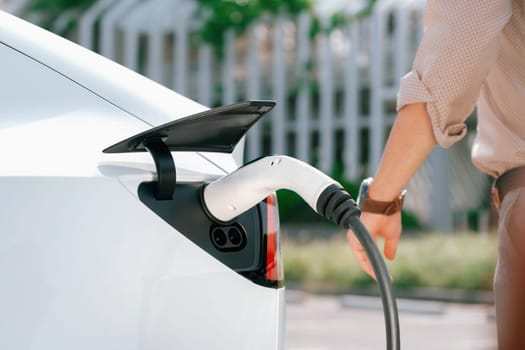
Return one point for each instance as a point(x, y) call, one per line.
point(337, 323)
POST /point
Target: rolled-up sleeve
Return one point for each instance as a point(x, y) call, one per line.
point(459, 45)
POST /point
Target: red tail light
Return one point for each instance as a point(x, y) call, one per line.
point(274, 265)
point(270, 271)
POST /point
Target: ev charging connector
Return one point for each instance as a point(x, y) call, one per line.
point(233, 194)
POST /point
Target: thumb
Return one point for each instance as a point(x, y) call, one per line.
point(391, 247)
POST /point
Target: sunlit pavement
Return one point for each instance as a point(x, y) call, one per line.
point(336, 323)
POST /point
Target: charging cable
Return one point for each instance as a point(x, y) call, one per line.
point(233, 194)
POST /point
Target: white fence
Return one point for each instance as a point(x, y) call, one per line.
point(335, 93)
point(276, 60)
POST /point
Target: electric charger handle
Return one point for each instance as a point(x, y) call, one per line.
point(233, 194)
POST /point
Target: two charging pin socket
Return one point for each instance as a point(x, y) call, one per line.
point(227, 238)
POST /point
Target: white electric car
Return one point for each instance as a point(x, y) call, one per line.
point(104, 241)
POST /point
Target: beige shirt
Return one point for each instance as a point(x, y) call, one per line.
point(473, 51)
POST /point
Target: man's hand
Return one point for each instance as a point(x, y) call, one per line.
point(410, 141)
point(388, 227)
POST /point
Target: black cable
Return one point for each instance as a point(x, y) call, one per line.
point(337, 205)
point(383, 280)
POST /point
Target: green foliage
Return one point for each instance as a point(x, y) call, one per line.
point(340, 19)
point(457, 261)
point(220, 16)
point(54, 7)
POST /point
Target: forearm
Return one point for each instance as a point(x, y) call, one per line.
point(459, 47)
point(409, 143)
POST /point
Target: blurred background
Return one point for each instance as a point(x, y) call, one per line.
point(334, 67)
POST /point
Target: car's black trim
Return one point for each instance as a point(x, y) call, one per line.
point(185, 213)
point(166, 171)
point(215, 130)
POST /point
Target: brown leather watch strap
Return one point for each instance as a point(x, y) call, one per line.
point(379, 207)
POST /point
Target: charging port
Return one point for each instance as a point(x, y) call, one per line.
point(228, 238)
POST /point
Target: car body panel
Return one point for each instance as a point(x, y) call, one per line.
point(111, 275)
point(84, 264)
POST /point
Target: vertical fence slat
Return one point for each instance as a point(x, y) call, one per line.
point(278, 88)
point(420, 17)
point(253, 86)
point(228, 68)
point(14, 7)
point(439, 184)
point(351, 106)
point(181, 55)
point(303, 103)
point(204, 75)
point(326, 104)
point(155, 63)
point(131, 49)
point(377, 71)
point(108, 25)
point(87, 22)
point(401, 38)
point(61, 23)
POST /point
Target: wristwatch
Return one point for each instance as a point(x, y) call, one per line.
point(370, 205)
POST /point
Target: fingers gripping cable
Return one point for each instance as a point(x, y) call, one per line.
point(239, 191)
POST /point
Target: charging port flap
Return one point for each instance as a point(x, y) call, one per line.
point(215, 130)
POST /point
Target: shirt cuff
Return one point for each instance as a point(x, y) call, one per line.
point(412, 90)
